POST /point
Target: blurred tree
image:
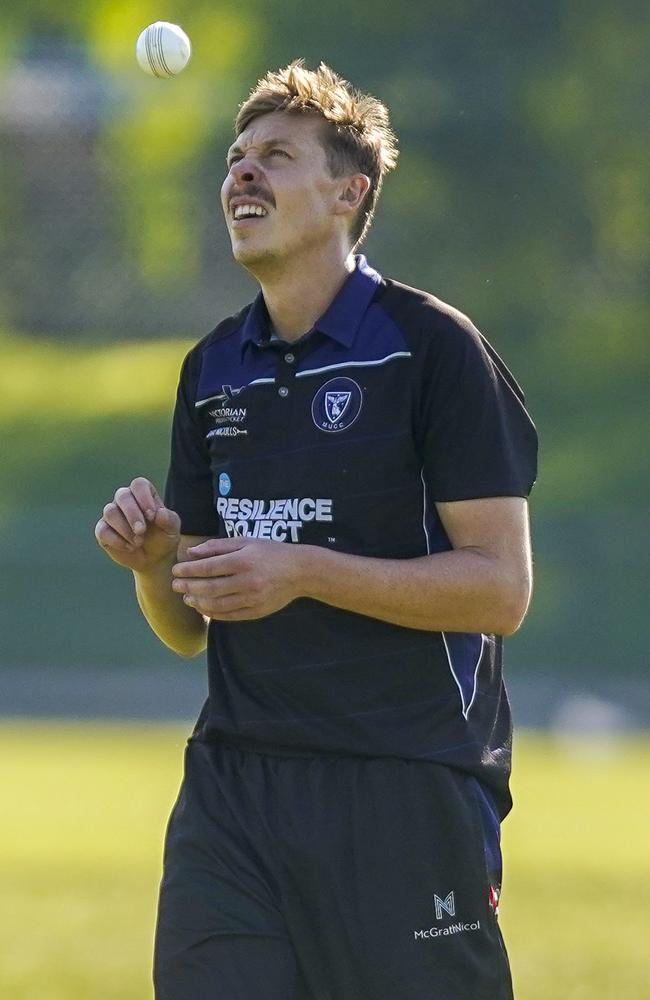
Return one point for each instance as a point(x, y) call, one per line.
point(522, 196)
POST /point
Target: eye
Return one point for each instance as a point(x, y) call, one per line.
point(279, 152)
point(232, 159)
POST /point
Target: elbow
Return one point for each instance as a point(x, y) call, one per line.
point(191, 640)
point(513, 606)
point(193, 644)
point(188, 652)
point(511, 624)
point(186, 646)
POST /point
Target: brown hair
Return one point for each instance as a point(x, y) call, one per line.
point(357, 134)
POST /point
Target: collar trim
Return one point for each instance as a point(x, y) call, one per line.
point(340, 321)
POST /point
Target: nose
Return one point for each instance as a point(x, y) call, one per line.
point(244, 171)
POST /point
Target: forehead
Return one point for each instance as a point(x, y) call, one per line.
point(279, 126)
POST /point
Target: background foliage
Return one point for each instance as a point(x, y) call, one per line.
point(522, 196)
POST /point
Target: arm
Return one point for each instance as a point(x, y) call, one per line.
point(138, 532)
point(175, 624)
point(482, 585)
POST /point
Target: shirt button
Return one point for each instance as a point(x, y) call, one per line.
point(290, 358)
point(283, 391)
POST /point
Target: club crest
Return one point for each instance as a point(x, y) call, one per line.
point(336, 405)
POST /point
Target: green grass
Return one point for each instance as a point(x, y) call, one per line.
point(84, 811)
point(577, 883)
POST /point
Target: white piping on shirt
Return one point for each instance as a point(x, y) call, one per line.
point(354, 364)
point(465, 709)
point(424, 512)
point(316, 371)
point(256, 381)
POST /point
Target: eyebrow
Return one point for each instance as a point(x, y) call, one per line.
point(265, 145)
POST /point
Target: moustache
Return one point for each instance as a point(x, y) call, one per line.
point(252, 191)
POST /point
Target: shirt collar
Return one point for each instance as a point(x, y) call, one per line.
point(341, 319)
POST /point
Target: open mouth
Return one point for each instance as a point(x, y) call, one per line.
point(246, 212)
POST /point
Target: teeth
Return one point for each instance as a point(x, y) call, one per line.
point(244, 211)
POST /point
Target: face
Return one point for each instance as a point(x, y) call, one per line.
point(278, 197)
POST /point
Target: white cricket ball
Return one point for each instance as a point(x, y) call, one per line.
point(163, 49)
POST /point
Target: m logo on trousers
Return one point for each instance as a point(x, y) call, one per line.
point(448, 904)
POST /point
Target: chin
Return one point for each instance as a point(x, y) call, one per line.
point(255, 258)
point(249, 256)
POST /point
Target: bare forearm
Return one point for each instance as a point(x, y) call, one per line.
point(180, 627)
point(458, 591)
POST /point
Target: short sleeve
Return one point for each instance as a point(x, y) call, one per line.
point(188, 490)
point(476, 437)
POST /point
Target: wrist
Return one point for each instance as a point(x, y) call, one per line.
point(156, 571)
point(311, 560)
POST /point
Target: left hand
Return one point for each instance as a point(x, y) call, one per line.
point(239, 579)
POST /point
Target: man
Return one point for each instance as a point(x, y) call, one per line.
point(345, 527)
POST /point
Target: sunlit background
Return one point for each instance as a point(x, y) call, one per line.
point(522, 196)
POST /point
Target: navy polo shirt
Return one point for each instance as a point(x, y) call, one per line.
point(347, 439)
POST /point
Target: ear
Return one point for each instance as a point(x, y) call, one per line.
point(352, 192)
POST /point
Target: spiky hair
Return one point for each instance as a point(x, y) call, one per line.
point(357, 134)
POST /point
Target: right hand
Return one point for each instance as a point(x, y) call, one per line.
point(136, 529)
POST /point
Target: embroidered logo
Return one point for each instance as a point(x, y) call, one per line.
point(337, 404)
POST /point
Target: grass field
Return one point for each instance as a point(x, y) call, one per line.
point(83, 816)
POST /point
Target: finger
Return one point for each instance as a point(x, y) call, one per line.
point(131, 509)
point(220, 607)
point(241, 615)
point(212, 588)
point(117, 521)
point(212, 566)
point(108, 538)
point(168, 521)
point(147, 497)
point(217, 546)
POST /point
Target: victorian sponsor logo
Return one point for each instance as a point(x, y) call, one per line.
point(227, 394)
point(228, 432)
point(226, 416)
point(278, 520)
point(229, 414)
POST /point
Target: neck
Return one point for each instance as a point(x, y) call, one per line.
point(296, 296)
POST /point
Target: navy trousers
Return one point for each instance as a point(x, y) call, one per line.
point(328, 878)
